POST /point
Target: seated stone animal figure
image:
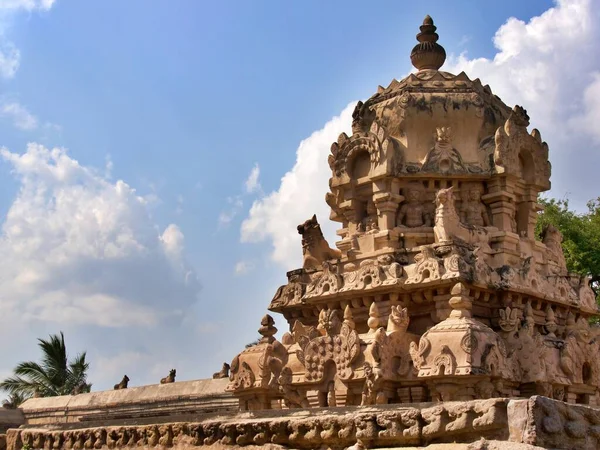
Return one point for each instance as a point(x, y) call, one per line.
point(315, 248)
point(448, 226)
point(122, 384)
point(170, 378)
point(223, 373)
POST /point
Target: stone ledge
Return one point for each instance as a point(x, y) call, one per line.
point(180, 398)
point(381, 426)
point(494, 424)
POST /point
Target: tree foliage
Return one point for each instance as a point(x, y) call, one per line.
point(14, 400)
point(253, 343)
point(581, 235)
point(53, 375)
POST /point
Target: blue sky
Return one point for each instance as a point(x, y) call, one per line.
point(158, 235)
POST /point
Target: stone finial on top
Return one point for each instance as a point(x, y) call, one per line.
point(428, 54)
point(267, 329)
point(460, 301)
point(374, 317)
point(348, 319)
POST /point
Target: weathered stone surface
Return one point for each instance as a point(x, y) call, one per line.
point(500, 424)
point(155, 401)
point(10, 418)
point(553, 424)
point(336, 428)
point(436, 193)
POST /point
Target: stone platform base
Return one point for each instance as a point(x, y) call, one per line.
point(502, 424)
point(479, 445)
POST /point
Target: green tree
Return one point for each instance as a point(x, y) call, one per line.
point(54, 375)
point(581, 235)
point(253, 343)
point(13, 401)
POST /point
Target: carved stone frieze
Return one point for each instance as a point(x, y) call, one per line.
point(290, 294)
point(444, 158)
point(377, 425)
point(328, 281)
point(428, 267)
point(339, 346)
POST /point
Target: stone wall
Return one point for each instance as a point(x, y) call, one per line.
point(155, 403)
point(537, 421)
point(10, 418)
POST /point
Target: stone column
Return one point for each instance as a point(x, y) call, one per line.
point(350, 211)
point(387, 207)
point(502, 204)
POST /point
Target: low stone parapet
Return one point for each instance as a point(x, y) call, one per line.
point(154, 403)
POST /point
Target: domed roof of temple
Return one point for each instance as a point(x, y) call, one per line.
point(410, 110)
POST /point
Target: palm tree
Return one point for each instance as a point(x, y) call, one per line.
point(253, 343)
point(13, 401)
point(54, 375)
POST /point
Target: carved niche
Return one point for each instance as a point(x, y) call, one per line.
point(443, 158)
point(365, 153)
point(520, 153)
point(414, 212)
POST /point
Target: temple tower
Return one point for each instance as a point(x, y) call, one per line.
point(438, 288)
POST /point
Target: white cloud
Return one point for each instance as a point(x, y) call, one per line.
point(19, 115)
point(589, 119)
point(10, 56)
point(27, 5)
point(79, 249)
point(180, 202)
point(10, 59)
point(235, 206)
point(252, 183)
point(300, 195)
point(172, 240)
point(236, 203)
point(542, 63)
point(243, 267)
point(550, 66)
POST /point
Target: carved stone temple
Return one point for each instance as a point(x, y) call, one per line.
point(440, 290)
point(438, 316)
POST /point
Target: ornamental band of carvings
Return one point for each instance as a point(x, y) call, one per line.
point(397, 426)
